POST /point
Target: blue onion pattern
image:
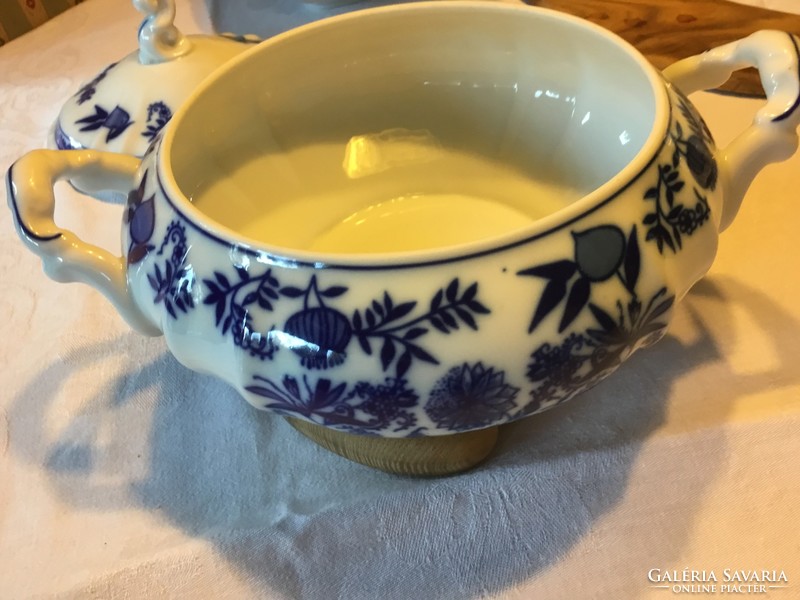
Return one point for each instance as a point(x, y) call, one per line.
point(559, 371)
point(321, 335)
point(173, 280)
point(366, 407)
point(675, 212)
point(600, 253)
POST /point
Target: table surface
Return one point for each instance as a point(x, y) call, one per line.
point(668, 30)
point(122, 474)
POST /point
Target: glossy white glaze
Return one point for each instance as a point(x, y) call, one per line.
point(773, 135)
point(159, 39)
point(123, 107)
point(434, 341)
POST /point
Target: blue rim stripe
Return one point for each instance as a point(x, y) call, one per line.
point(796, 104)
point(18, 217)
point(283, 261)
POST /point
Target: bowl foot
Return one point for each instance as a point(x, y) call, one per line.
point(420, 457)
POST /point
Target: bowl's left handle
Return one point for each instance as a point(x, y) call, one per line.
point(66, 257)
point(773, 135)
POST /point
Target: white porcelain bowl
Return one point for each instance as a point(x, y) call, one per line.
point(422, 219)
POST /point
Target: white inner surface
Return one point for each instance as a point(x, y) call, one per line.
point(475, 108)
point(125, 475)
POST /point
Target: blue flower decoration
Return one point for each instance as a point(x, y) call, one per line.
point(471, 397)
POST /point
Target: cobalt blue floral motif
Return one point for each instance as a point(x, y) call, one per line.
point(173, 280)
point(140, 217)
point(320, 334)
point(471, 397)
point(233, 301)
point(366, 407)
point(696, 149)
point(600, 253)
point(582, 359)
point(673, 215)
point(387, 324)
point(88, 91)
point(116, 121)
point(158, 115)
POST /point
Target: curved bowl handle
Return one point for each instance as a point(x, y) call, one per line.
point(64, 256)
point(773, 135)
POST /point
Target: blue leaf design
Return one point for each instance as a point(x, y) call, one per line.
point(400, 311)
point(632, 261)
point(477, 307)
point(578, 297)
point(603, 318)
point(553, 294)
point(467, 318)
point(414, 333)
point(452, 290)
point(241, 271)
point(436, 301)
point(334, 291)
point(223, 281)
point(437, 323)
point(422, 354)
point(387, 353)
point(291, 292)
point(403, 364)
point(560, 269)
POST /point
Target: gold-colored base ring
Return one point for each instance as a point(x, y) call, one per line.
point(419, 457)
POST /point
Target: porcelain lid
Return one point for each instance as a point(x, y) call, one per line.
point(129, 102)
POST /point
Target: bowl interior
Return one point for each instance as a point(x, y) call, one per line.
point(412, 127)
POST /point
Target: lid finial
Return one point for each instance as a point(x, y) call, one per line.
point(159, 39)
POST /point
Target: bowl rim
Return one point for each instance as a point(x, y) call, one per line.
point(539, 228)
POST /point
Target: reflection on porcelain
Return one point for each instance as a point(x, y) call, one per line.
point(159, 39)
point(126, 104)
point(345, 242)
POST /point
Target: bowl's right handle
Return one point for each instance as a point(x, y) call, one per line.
point(66, 257)
point(773, 135)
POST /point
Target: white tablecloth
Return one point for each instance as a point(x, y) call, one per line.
point(123, 475)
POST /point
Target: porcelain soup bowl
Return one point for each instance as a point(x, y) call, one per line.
point(424, 219)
